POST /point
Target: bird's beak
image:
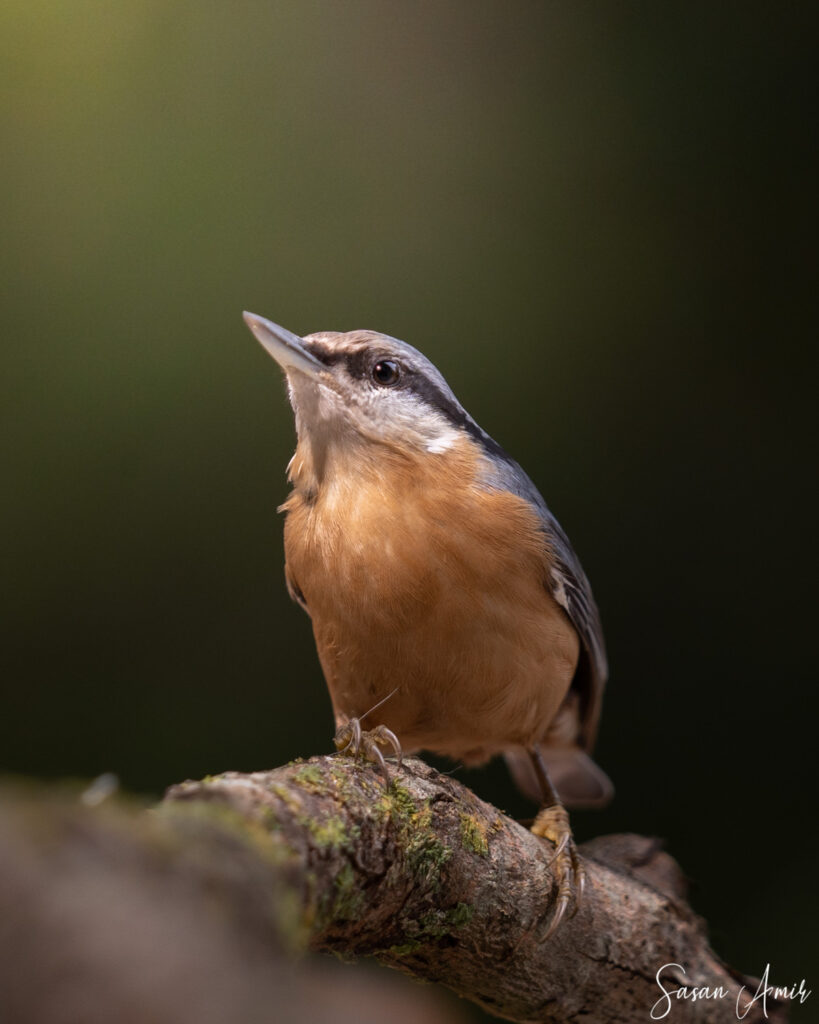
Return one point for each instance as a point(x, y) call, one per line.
point(287, 349)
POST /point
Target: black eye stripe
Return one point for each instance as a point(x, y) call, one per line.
point(362, 364)
point(323, 353)
point(432, 395)
point(359, 363)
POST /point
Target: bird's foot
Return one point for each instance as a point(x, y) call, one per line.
point(352, 740)
point(552, 823)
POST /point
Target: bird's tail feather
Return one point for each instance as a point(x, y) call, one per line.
point(578, 780)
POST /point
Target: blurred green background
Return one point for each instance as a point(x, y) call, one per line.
point(592, 217)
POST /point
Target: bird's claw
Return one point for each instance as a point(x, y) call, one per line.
point(351, 739)
point(552, 823)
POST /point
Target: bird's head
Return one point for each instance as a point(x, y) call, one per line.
point(362, 388)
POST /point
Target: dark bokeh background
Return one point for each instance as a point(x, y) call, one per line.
point(594, 219)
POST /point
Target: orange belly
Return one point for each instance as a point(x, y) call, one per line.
point(418, 578)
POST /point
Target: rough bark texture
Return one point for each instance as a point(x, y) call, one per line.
point(432, 880)
point(422, 875)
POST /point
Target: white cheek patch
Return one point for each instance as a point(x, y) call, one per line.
point(396, 416)
point(443, 442)
point(403, 417)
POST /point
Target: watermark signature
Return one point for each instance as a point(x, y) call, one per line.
point(744, 1000)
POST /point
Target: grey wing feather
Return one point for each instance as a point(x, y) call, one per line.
point(572, 591)
point(570, 588)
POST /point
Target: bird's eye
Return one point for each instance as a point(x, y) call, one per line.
point(386, 372)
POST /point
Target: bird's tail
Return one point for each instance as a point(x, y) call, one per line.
point(578, 780)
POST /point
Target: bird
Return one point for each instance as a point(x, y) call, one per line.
point(448, 606)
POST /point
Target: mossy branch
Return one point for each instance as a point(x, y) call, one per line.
point(429, 879)
point(186, 912)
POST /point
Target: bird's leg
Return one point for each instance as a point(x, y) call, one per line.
point(351, 739)
point(552, 823)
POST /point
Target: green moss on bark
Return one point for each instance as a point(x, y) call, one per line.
point(473, 835)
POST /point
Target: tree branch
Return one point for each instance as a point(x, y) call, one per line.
point(433, 881)
point(184, 914)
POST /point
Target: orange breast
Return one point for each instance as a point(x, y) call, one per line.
point(418, 578)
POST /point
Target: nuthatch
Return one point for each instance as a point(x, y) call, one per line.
point(447, 603)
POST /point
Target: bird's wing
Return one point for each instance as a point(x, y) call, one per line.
point(570, 588)
point(568, 585)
